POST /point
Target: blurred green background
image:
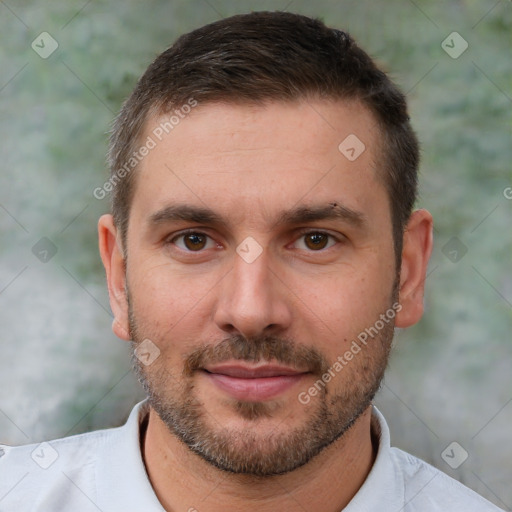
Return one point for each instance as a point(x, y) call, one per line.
point(63, 372)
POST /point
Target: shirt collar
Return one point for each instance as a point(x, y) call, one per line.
point(123, 483)
point(383, 488)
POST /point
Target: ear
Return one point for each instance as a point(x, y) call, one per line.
point(111, 252)
point(416, 251)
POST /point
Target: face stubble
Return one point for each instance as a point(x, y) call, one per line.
point(243, 451)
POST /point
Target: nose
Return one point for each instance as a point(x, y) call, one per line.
point(252, 300)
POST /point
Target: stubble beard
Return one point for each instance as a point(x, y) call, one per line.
point(244, 451)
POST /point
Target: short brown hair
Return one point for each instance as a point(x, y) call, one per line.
point(262, 56)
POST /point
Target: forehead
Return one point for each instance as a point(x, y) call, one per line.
point(250, 159)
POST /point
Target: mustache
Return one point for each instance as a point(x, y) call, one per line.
point(254, 350)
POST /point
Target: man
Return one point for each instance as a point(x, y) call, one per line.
point(261, 249)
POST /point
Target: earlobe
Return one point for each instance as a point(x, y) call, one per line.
point(111, 252)
point(120, 330)
point(417, 247)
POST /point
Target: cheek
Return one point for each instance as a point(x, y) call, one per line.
point(342, 298)
point(159, 286)
point(338, 307)
point(169, 305)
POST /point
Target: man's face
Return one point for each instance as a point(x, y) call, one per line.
point(251, 305)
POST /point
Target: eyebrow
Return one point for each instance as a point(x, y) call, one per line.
point(297, 215)
point(187, 213)
point(334, 211)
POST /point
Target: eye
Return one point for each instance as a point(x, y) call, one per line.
point(315, 241)
point(193, 241)
point(196, 241)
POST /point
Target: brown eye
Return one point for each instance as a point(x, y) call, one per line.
point(193, 241)
point(316, 241)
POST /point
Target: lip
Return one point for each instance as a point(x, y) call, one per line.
point(253, 383)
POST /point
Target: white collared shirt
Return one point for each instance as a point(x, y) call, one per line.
point(104, 471)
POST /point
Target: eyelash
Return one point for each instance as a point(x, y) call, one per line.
point(301, 233)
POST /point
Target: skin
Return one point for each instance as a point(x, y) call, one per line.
point(248, 163)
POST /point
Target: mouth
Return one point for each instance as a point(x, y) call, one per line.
point(253, 383)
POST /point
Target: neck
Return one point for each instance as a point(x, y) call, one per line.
point(184, 481)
